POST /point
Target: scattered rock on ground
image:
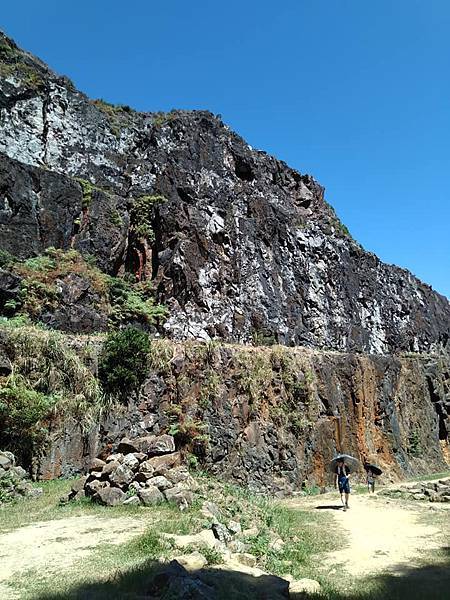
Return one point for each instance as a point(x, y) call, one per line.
point(13, 480)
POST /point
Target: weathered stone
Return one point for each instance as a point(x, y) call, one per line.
point(110, 467)
point(92, 487)
point(161, 464)
point(97, 464)
point(118, 457)
point(131, 462)
point(211, 511)
point(221, 533)
point(174, 581)
point(182, 498)
point(204, 538)
point(132, 501)
point(162, 444)
point(276, 544)
point(140, 456)
point(110, 496)
point(178, 475)
point(19, 472)
point(192, 562)
point(234, 527)
point(150, 496)
point(306, 586)
point(160, 482)
point(121, 476)
point(5, 462)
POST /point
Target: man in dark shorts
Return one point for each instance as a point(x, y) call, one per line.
point(341, 479)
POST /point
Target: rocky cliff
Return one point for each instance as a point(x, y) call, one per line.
point(105, 212)
point(273, 418)
point(238, 246)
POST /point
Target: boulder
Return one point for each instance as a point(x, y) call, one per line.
point(174, 581)
point(78, 484)
point(131, 461)
point(117, 457)
point(181, 497)
point(5, 462)
point(121, 476)
point(162, 444)
point(163, 463)
point(110, 496)
point(150, 496)
point(160, 482)
point(192, 562)
point(97, 464)
point(234, 528)
point(221, 533)
point(304, 586)
point(110, 467)
point(131, 501)
point(203, 538)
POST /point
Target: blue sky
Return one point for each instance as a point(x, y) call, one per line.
point(356, 93)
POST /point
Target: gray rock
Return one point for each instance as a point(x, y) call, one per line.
point(160, 482)
point(121, 476)
point(150, 496)
point(162, 444)
point(110, 496)
point(181, 497)
point(131, 462)
point(221, 533)
point(132, 501)
point(97, 464)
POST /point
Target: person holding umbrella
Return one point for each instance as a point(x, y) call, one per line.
point(341, 479)
point(372, 472)
point(340, 466)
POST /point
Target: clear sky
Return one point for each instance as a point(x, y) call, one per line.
point(356, 93)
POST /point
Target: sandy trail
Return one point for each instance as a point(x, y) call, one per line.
point(377, 534)
point(52, 546)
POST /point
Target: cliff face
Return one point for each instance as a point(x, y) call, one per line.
point(271, 418)
point(240, 247)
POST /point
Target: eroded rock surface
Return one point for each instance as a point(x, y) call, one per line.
point(244, 248)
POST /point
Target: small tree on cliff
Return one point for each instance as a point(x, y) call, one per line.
point(123, 362)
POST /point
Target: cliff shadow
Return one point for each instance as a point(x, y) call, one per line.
point(154, 581)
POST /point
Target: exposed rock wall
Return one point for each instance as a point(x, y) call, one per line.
point(244, 248)
point(274, 417)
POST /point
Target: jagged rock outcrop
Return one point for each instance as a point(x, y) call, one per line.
point(244, 248)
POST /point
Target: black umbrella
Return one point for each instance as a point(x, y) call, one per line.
point(350, 461)
point(375, 470)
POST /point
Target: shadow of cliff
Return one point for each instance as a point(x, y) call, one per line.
point(150, 581)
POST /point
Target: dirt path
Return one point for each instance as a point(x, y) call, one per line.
point(52, 546)
point(378, 534)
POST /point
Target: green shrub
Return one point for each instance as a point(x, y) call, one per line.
point(141, 215)
point(133, 302)
point(6, 258)
point(22, 412)
point(123, 362)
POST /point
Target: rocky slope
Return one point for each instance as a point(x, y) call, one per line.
point(237, 245)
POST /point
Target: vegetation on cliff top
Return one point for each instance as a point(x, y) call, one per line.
point(43, 276)
point(47, 380)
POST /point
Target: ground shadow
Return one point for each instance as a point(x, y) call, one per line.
point(329, 507)
point(153, 581)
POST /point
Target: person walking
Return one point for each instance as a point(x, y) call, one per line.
point(372, 472)
point(341, 479)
